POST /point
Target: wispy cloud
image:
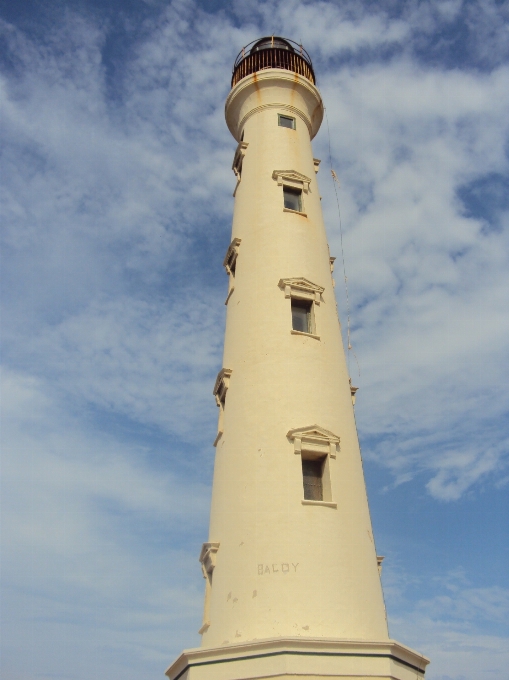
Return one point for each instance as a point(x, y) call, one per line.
point(116, 195)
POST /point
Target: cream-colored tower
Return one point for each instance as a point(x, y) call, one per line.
point(292, 576)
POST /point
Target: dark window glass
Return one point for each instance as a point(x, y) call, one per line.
point(301, 316)
point(286, 121)
point(312, 471)
point(293, 198)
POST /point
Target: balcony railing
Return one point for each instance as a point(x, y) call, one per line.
point(296, 60)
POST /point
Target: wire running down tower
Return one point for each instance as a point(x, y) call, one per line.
point(292, 578)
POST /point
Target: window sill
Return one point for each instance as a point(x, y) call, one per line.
point(327, 504)
point(307, 335)
point(229, 295)
point(295, 212)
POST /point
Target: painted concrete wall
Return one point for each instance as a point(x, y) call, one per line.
point(284, 568)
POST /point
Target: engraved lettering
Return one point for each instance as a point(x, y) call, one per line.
point(276, 568)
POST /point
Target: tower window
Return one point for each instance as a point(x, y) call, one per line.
point(238, 159)
point(286, 121)
point(230, 264)
point(302, 311)
point(293, 198)
point(208, 563)
point(312, 477)
point(220, 390)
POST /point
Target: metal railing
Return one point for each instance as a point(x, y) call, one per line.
point(296, 60)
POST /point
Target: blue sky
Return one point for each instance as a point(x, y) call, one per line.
point(116, 199)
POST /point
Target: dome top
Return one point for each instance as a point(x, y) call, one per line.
point(269, 43)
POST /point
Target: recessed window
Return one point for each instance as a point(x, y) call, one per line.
point(316, 447)
point(208, 563)
point(312, 477)
point(292, 198)
point(294, 185)
point(302, 311)
point(230, 264)
point(286, 121)
point(220, 390)
point(238, 159)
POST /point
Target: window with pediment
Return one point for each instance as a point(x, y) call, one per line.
point(295, 185)
point(220, 389)
point(208, 563)
point(303, 295)
point(238, 159)
point(230, 265)
point(317, 448)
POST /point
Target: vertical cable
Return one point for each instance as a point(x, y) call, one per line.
point(335, 181)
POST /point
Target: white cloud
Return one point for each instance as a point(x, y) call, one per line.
point(461, 628)
point(427, 281)
point(93, 537)
point(117, 207)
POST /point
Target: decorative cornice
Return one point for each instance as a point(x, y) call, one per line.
point(314, 438)
point(231, 255)
point(332, 649)
point(292, 178)
point(238, 158)
point(300, 287)
point(314, 105)
point(208, 557)
point(222, 382)
point(294, 111)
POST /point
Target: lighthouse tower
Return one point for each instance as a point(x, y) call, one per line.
point(291, 573)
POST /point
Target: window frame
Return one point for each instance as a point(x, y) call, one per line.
point(296, 302)
point(292, 191)
point(220, 390)
point(303, 289)
point(311, 443)
point(325, 481)
point(208, 563)
point(284, 116)
point(292, 179)
point(238, 160)
point(230, 265)
point(318, 462)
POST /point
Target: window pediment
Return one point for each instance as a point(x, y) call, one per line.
point(314, 439)
point(231, 256)
point(292, 178)
point(208, 557)
point(240, 152)
point(221, 385)
point(238, 158)
point(301, 288)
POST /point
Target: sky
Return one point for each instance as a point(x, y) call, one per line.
point(116, 193)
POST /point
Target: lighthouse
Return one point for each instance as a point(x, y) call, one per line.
point(292, 577)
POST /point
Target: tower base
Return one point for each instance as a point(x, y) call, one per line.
point(301, 659)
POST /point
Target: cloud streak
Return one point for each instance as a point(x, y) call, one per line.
point(117, 203)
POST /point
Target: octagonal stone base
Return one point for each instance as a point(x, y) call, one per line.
point(301, 659)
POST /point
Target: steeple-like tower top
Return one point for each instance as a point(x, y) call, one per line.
point(272, 52)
